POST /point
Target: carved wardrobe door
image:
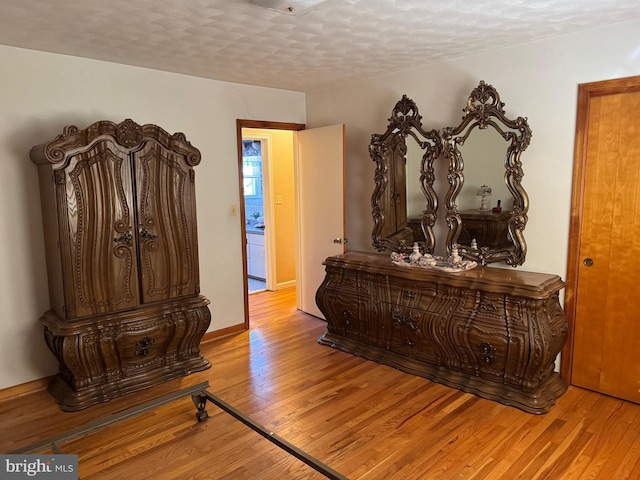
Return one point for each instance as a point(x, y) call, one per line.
point(94, 196)
point(119, 212)
point(166, 223)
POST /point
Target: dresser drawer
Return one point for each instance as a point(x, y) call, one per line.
point(354, 317)
point(410, 332)
point(348, 282)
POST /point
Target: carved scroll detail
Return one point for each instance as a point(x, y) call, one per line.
point(129, 133)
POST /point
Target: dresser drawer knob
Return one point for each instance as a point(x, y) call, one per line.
point(144, 346)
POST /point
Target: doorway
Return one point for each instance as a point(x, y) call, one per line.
point(601, 302)
point(268, 209)
point(318, 201)
point(255, 159)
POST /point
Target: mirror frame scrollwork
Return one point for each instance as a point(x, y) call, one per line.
point(485, 109)
point(405, 121)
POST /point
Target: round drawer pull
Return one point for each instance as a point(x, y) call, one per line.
point(144, 346)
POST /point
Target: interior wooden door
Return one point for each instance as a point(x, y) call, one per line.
point(602, 300)
point(320, 180)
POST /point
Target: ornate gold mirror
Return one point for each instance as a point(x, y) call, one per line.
point(486, 204)
point(404, 208)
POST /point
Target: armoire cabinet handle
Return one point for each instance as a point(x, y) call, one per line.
point(146, 235)
point(124, 238)
point(144, 346)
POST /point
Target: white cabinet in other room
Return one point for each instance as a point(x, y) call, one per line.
point(256, 262)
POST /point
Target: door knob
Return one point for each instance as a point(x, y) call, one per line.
point(588, 262)
point(340, 240)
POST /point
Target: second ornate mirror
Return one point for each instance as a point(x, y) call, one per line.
point(404, 202)
point(486, 204)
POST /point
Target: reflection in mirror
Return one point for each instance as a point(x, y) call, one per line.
point(483, 153)
point(404, 210)
point(484, 161)
point(415, 194)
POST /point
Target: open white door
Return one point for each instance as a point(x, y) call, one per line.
point(321, 209)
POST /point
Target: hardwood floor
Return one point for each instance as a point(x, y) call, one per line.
point(365, 420)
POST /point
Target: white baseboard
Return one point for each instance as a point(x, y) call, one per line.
point(283, 285)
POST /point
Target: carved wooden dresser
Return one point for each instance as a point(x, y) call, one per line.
point(487, 331)
point(119, 212)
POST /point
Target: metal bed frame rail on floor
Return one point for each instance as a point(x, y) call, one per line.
point(200, 396)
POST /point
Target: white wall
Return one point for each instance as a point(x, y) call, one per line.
point(537, 80)
point(40, 94)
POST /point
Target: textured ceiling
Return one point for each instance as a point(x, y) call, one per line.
point(335, 42)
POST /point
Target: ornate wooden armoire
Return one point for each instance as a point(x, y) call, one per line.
point(119, 212)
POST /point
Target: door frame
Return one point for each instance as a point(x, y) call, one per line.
point(264, 125)
point(585, 92)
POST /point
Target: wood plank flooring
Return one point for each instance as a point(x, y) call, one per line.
point(365, 420)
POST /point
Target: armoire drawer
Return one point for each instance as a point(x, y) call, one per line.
point(126, 352)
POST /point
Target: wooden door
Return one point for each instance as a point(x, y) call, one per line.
point(320, 184)
point(96, 237)
point(165, 187)
point(603, 301)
